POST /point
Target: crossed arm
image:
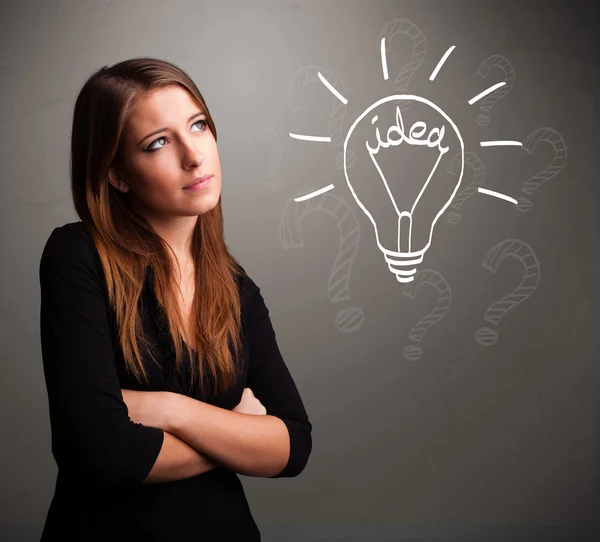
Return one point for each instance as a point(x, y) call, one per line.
point(95, 434)
point(199, 436)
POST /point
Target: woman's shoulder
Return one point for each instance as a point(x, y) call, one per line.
point(68, 244)
point(71, 234)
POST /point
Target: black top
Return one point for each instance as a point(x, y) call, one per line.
point(103, 457)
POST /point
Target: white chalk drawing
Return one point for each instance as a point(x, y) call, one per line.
point(502, 63)
point(485, 92)
point(402, 259)
point(435, 279)
point(403, 256)
point(313, 74)
point(402, 27)
point(274, 153)
point(347, 320)
point(496, 195)
point(515, 248)
point(553, 138)
point(473, 161)
point(315, 193)
point(506, 143)
point(441, 63)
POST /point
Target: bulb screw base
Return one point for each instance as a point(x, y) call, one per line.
point(402, 265)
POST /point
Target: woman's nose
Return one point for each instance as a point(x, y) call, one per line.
point(192, 153)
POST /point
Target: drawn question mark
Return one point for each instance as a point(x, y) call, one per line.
point(308, 75)
point(276, 152)
point(524, 253)
point(349, 319)
point(501, 62)
point(553, 138)
point(472, 160)
point(408, 28)
point(435, 279)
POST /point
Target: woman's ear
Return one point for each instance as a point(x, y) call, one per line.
point(116, 179)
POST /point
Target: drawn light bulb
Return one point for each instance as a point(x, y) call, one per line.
point(402, 183)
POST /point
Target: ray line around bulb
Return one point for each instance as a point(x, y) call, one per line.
point(325, 139)
point(497, 195)
point(486, 92)
point(315, 193)
point(500, 143)
point(333, 91)
point(384, 59)
point(441, 63)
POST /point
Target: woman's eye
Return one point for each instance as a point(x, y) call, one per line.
point(150, 147)
point(202, 121)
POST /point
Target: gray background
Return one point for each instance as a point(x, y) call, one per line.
point(467, 442)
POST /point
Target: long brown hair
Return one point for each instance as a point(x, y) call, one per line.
point(127, 243)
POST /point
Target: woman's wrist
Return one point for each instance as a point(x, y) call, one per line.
point(171, 402)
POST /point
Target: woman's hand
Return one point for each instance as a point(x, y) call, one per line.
point(149, 408)
point(250, 404)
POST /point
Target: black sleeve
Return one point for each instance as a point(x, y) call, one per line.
point(93, 437)
point(272, 384)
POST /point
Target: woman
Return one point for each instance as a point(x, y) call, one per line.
point(163, 373)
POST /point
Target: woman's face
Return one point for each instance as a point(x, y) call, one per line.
point(164, 149)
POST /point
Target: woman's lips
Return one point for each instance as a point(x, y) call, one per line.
point(199, 184)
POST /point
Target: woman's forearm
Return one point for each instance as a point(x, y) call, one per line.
point(177, 460)
point(244, 443)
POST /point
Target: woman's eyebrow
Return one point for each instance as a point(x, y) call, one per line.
point(163, 129)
